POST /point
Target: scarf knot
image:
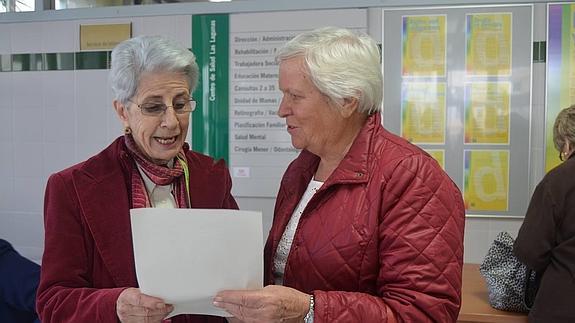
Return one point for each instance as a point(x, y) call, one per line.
point(160, 175)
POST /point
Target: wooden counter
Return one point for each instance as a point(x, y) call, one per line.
point(475, 302)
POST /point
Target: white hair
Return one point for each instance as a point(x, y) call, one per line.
point(133, 57)
point(341, 64)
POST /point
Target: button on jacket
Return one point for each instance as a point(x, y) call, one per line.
point(384, 233)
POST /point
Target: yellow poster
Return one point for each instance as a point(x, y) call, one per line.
point(423, 112)
point(438, 155)
point(487, 107)
point(423, 46)
point(486, 180)
point(488, 38)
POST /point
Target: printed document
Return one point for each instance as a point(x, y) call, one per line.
point(185, 256)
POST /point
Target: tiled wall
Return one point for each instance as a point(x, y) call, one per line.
point(56, 110)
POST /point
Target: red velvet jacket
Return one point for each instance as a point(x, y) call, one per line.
point(384, 232)
point(88, 257)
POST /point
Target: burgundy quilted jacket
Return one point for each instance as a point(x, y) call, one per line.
point(384, 233)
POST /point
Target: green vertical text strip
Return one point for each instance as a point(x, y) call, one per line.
point(210, 121)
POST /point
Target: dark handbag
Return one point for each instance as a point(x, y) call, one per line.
point(511, 285)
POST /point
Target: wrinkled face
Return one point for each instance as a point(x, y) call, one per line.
point(158, 137)
point(311, 121)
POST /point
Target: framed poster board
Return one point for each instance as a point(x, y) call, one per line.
point(458, 80)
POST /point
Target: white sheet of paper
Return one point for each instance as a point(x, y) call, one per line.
point(185, 256)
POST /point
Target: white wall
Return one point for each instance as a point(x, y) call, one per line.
point(54, 119)
point(51, 120)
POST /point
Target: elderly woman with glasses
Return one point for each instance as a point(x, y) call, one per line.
point(88, 272)
point(546, 239)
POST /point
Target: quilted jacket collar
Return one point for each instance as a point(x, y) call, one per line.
point(352, 169)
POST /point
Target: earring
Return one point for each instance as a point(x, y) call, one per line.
point(127, 130)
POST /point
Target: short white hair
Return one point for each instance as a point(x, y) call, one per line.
point(133, 57)
point(341, 64)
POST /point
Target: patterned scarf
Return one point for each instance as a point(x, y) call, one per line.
point(160, 175)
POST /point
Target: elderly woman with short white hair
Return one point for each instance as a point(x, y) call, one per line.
point(88, 271)
point(367, 227)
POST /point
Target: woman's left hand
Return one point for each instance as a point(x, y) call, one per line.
point(271, 304)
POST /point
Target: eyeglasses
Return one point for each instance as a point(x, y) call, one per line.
point(156, 109)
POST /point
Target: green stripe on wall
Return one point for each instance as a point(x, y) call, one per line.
point(210, 121)
point(26, 62)
point(5, 63)
point(59, 62)
point(91, 60)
